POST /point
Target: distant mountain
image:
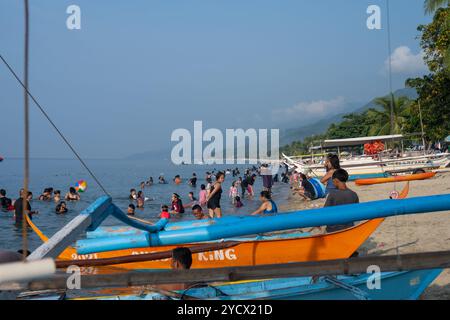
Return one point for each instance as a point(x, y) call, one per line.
point(288, 136)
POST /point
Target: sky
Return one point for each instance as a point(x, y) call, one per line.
point(137, 70)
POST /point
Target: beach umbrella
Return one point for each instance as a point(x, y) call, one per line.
point(81, 186)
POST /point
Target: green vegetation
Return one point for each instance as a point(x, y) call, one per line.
point(433, 95)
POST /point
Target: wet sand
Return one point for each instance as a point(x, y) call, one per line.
point(405, 234)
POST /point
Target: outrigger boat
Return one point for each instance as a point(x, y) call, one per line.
point(404, 285)
point(369, 166)
point(400, 178)
point(249, 251)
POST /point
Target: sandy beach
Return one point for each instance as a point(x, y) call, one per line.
point(407, 234)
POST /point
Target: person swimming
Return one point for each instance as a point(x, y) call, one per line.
point(140, 199)
point(46, 195)
point(5, 202)
point(238, 203)
point(57, 196)
point(197, 211)
point(72, 195)
point(61, 208)
point(193, 180)
point(193, 200)
point(161, 180)
point(133, 194)
point(268, 206)
point(131, 209)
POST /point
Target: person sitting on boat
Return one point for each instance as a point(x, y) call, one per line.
point(5, 202)
point(61, 208)
point(177, 204)
point(306, 190)
point(340, 196)
point(131, 209)
point(331, 165)
point(72, 195)
point(268, 206)
point(197, 211)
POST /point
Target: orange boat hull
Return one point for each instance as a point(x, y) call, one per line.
point(411, 177)
point(337, 245)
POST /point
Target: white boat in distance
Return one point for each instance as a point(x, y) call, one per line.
point(366, 165)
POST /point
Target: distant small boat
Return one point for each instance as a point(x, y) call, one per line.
point(1, 158)
point(409, 177)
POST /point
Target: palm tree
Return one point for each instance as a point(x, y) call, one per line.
point(383, 124)
point(432, 5)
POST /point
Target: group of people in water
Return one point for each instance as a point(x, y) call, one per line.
point(210, 194)
point(208, 202)
point(49, 194)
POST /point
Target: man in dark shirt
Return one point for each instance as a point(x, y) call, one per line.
point(5, 202)
point(342, 195)
point(18, 209)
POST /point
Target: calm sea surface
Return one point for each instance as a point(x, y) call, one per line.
point(118, 177)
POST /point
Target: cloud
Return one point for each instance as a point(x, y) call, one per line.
point(311, 110)
point(405, 62)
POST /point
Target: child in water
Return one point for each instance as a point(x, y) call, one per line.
point(165, 214)
point(202, 195)
point(238, 203)
point(140, 199)
point(61, 208)
point(131, 209)
point(233, 193)
point(133, 194)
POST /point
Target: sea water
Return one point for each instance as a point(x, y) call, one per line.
point(118, 177)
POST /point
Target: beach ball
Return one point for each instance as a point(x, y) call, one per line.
point(81, 186)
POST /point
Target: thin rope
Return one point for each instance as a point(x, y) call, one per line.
point(388, 17)
point(27, 140)
point(54, 125)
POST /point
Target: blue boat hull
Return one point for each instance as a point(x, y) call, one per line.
point(405, 285)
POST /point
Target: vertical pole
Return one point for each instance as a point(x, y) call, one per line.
point(421, 126)
point(390, 66)
point(26, 125)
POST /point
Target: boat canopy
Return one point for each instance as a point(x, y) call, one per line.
point(359, 141)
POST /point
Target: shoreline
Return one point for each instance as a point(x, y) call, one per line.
point(403, 234)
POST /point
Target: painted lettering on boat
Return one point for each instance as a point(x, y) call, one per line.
point(228, 254)
point(84, 256)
